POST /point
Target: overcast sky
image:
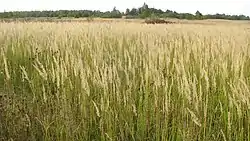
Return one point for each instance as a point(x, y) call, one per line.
point(190, 6)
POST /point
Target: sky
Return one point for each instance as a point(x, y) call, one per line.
point(181, 6)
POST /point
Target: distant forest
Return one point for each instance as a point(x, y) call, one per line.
point(141, 12)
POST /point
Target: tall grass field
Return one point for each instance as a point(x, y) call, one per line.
point(121, 81)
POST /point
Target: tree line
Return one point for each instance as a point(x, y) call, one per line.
point(134, 13)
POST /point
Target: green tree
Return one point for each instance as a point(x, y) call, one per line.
point(144, 11)
point(133, 12)
point(198, 15)
point(127, 11)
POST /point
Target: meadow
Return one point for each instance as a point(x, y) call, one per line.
point(124, 81)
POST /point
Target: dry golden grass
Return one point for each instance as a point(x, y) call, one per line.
point(124, 81)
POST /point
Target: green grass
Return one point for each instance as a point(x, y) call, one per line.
point(124, 81)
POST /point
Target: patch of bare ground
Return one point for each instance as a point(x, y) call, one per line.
point(158, 21)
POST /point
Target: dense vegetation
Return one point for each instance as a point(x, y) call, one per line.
point(124, 82)
point(141, 12)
